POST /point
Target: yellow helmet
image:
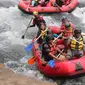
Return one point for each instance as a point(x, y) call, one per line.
point(35, 13)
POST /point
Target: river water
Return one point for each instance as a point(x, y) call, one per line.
point(12, 26)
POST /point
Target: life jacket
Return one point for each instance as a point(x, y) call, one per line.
point(52, 48)
point(68, 32)
point(75, 45)
point(44, 33)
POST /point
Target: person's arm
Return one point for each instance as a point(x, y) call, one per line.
point(55, 57)
point(33, 25)
point(59, 50)
point(42, 19)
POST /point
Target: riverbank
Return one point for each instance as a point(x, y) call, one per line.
point(8, 77)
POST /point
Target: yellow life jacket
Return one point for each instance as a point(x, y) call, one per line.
point(75, 45)
point(43, 33)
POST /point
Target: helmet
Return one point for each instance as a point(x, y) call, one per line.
point(67, 25)
point(77, 31)
point(35, 13)
point(48, 38)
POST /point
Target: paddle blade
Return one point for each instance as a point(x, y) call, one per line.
point(22, 36)
point(29, 47)
point(31, 60)
point(51, 63)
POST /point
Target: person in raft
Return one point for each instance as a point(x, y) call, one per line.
point(44, 2)
point(50, 51)
point(64, 20)
point(37, 19)
point(60, 3)
point(67, 30)
point(44, 31)
point(76, 45)
point(39, 2)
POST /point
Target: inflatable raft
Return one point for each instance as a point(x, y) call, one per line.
point(65, 68)
point(25, 6)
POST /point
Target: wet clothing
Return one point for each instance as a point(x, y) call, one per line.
point(37, 21)
point(46, 49)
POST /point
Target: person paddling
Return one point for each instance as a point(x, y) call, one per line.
point(76, 43)
point(49, 50)
point(37, 19)
point(67, 29)
point(65, 20)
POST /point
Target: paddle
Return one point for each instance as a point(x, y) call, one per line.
point(77, 41)
point(31, 60)
point(29, 47)
point(57, 37)
point(58, 7)
point(83, 34)
point(23, 36)
point(51, 63)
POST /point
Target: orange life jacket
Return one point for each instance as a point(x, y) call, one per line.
point(68, 32)
point(52, 48)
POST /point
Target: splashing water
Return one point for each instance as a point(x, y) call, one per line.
point(12, 26)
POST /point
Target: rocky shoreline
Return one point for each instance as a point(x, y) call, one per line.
point(8, 77)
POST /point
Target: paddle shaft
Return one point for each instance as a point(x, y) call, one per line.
point(60, 53)
point(40, 35)
point(77, 41)
point(32, 59)
point(57, 37)
point(58, 7)
point(27, 28)
point(83, 34)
